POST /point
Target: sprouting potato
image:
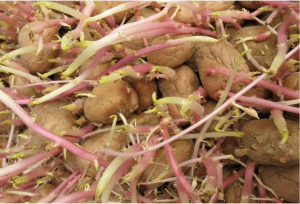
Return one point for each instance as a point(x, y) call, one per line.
point(172, 56)
point(37, 63)
point(101, 67)
point(233, 193)
point(184, 15)
point(251, 4)
point(42, 191)
point(26, 91)
point(182, 150)
point(262, 140)
point(110, 99)
point(63, 55)
point(144, 119)
point(59, 175)
point(283, 180)
point(4, 116)
point(97, 142)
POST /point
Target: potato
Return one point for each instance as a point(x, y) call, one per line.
point(182, 150)
point(209, 107)
point(184, 15)
point(144, 90)
point(139, 44)
point(214, 6)
point(101, 67)
point(26, 91)
point(283, 180)
point(50, 116)
point(144, 119)
point(29, 60)
point(217, 55)
point(251, 4)
point(172, 56)
point(70, 162)
point(291, 82)
point(259, 52)
point(233, 193)
point(59, 175)
point(182, 84)
point(109, 99)
point(64, 55)
point(3, 117)
point(229, 146)
point(230, 32)
point(97, 142)
point(102, 6)
point(90, 34)
point(42, 191)
point(262, 140)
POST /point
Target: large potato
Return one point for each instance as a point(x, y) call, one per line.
point(182, 84)
point(97, 142)
point(283, 180)
point(262, 140)
point(37, 63)
point(172, 56)
point(263, 56)
point(109, 99)
point(217, 55)
point(182, 150)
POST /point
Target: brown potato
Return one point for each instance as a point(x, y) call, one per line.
point(214, 6)
point(59, 175)
point(111, 98)
point(4, 116)
point(26, 91)
point(263, 56)
point(70, 162)
point(101, 67)
point(97, 142)
point(64, 55)
point(233, 193)
point(144, 90)
point(29, 60)
point(90, 34)
point(144, 119)
point(217, 55)
point(172, 56)
point(209, 107)
point(251, 4)
point(230, 32)
point(182, 150)
point(182, 84)
point(291, 82)
point(283, 180)
point(42, 191)
point(262, 140)
point(184, 15)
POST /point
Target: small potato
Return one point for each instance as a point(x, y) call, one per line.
point(144, 119)
point(97, 142)
point(263, 56)
point(182, 84)
point(4, 116)
point(233, 193)
point(101, 67)
point(262, 140)
point(144, 90)
point(109, 99)
point(42, 191)
point(50, 116)
point(217, 55)
point(26, 91)
point(182, 150)
point(102, 6)
point(32, 62)
point(283, 180)
point(251, 4)
point(172, 56)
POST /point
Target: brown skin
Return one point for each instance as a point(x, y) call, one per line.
point(283, 180)
point(182, 84)
point(144, 90)
point(217, 55)
point(102, 6)
point(209, 107)
point(263, 59)
point(111, 98)
point(172, 56)
point(3, 117)
point(90, 34)
point(291, 82)
point(97, 142)
point(64, 55)
point(251, 4)
point(262, 140)
point(144, 119)
point(70, 162)
point(101, 67)
point(214, 6)
point(60, 174)
point(230, 32)
point(29, 60)
point(184, 15)
point(233, 193)
point(42, 191)
point(182, 150)
point(26, 91)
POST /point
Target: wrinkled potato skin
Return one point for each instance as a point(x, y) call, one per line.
point(283, 180)
point(101, 67)
point(184, 15)
point(230, 32)
point(52, 118)
point(172, 56)
point(257, 47)
point(262, 141)
point(32, 62)
point(3, 117)
point(233, 193)
point(26, 91)
point(98, 142)
point(182, 150)
point(144, 90)
point(144, 119)
point(102, 6)
point(182, 84)
point(64, 55)
point(214, 6)
point(218, 55)
point(139, 44)
point(251, 4)
point(42, 192)
point(111, 98)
